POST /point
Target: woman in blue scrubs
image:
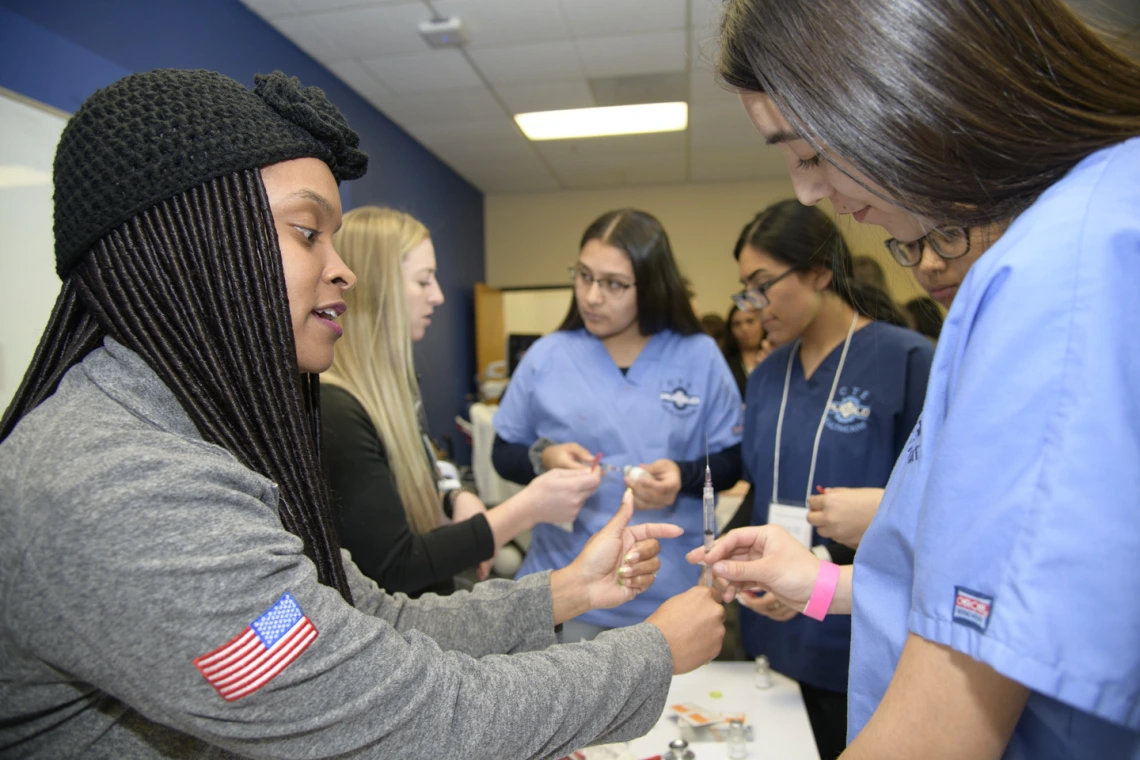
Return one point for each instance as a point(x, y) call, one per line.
point(832, 406)
point(630, 376)
point(995, 598)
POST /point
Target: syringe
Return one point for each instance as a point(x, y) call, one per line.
point(708, 502)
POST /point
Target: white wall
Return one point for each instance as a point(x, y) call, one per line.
point(532, 238)
point(29, 133)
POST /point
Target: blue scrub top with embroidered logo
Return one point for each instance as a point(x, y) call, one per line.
point(1010, 530)
point(875, 406)
point(567, 388)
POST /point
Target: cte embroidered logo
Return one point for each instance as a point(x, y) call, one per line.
point(848, 413)
point(677, 399)
point(972, 609)
point(914, 445)
point(256, 655)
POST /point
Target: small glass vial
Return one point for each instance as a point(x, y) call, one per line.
point(679, 750)
point(737, 748)
point(763, 673)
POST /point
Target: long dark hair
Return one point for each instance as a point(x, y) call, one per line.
point(730, 346)
point(964, 111)
point(662, 299)
point(926, 315)
point(804, 237)
point(195, 286)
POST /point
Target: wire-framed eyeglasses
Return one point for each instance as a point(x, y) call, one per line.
point(755, 297)
point(949, 243)
point(583, 279)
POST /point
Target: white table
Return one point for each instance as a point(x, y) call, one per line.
point(780, 727)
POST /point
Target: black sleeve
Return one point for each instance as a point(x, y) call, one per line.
point(373, 525)
point(841, 554)
point(512, 461)
point(724, 464)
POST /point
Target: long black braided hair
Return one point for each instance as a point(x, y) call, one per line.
point(195, 286)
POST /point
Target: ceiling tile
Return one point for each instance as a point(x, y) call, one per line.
point(599, 18)
point(548, 96)
point(474, 104)
point(713, 124)
point(358, 78)
point(641, 54)
point(528, 63)
point(424, 72)
point(506, 22)
point(568, 152)
point(359, 32)
point(274, 9)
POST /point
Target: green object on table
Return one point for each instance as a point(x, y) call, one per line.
point(715, 694)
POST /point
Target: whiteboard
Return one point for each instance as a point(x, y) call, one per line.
point(535, 311)
point(29, 132)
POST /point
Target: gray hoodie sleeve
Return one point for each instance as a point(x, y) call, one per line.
point(165, 550)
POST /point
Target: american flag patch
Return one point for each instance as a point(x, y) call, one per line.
point(253, 657)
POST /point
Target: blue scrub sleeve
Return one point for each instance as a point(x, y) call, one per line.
point(1026, 550)
point(514, 421)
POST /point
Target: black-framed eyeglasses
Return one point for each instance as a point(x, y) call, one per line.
point(755, 297)
point(583, 279)
point(949, 243)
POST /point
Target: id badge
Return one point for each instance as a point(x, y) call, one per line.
point(792, 518)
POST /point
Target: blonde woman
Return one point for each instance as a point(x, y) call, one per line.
point(401, 532)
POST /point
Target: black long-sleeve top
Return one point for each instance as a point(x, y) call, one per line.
point(373, 526)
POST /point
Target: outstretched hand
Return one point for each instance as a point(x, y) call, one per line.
point(620, 561)
point(763, 558)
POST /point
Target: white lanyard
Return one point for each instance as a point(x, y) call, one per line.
point(823, 419)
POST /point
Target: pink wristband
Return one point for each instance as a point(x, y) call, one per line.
point(823, 592)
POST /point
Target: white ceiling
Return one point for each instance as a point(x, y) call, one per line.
point(533, 55)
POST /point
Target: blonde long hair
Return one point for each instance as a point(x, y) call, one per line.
point(373, 360)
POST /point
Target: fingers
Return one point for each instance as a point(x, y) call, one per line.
point(816, 502)
point(621, 519)
point(816, 518)
point(643, 549)
point(645, 531)
point(749, 540)
point(579, 453)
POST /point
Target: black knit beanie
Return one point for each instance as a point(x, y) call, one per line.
point(150, 136)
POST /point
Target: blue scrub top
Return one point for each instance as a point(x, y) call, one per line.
point(1010, 530)
point(567, 388)
point(874, 409)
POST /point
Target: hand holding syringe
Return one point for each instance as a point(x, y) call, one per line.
point(708, 504)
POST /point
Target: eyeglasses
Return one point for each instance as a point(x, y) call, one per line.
point(755, 298)
point(583, 279)
point(950, 243)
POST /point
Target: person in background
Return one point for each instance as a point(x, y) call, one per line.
point(867, 270)
point(380, 467)
point(995, 596)
point(940, 267)
point(925, 316)
point(173, 582)
point(715, 327)
point(745, 345)
point(629, 377)
point(832, 406)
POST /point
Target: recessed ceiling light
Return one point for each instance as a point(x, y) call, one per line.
point(599, 122)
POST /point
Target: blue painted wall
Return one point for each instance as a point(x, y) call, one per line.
point(60, 51)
